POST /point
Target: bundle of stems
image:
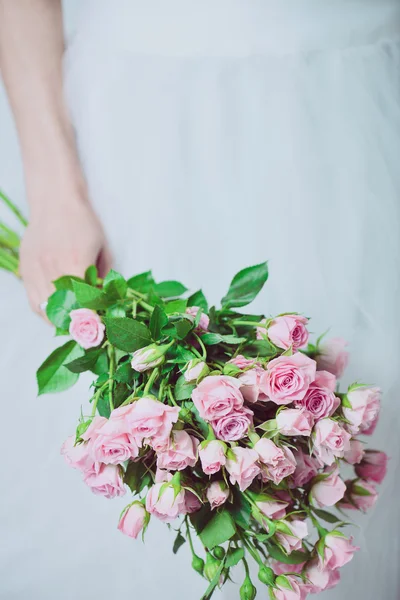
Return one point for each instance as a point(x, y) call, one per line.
point(9, 239)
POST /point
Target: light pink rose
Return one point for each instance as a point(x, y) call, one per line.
point(334, 579)
point(150, 420)
point(281, 568)
point(365, 406)
point(292, 541)
point(212, 456)
point(204, 319)
point(294, 421)
point(241, 362)
point(324, 379)
point(194, 370)
point(319, 401)
point(317, 579)
point(250, 382)
point(133, 520)
point(94, 429)
point(217, 494)
point(86, 328)
point(271, 507)
point(192, 503)
point(330, 440)
point(262, 331)
point(355, 453)
point(180, 453)
point(217, 396)
point(306, 468)
point(338, 551)
point(282, 591)
point(278, 463)
point(106, 482)
point(289, 331)
point(77, 457)
point(165, 505)
point(362, 494)
point(328, 491)
point(147, 358)
point(109, 443)
point(373, 466)
point(234, 426)
point(333, 357)
point(243, 467)
point(288, 378)
point(370, 430)
point(162, 476)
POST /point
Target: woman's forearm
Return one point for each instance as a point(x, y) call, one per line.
point(31, 53)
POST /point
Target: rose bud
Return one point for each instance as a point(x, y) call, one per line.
point(330, 440)
point(247, 590)
point(204, 319)
point(217, 494)
point(287, 587)
point(242, 466)
point(195, 370)
point(133, 519)
point(333, 357)
point(294, 421)
point(86, 328)
point(165, 502)
point(373, 466)
point(149, 357)
point(355, 453)
point(266, 575)
point(271, 507)
point(288, 331)
point(361, 495)
point(212, 456)
point(328, 491)
point(291, 533)
point(211, 567)
point(198, 564)
point(335, 551)
point(361, 408)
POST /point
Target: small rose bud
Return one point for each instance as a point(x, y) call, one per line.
point(219, 552)
point(247, 591)
point(149, 357)
point(198, 564)
point(266, 575)
point(133, 520)
point(196, 369)
point(212, 566)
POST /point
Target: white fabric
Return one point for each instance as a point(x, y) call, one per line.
point(215, 135)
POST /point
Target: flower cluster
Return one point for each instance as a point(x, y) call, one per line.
point(232, 425)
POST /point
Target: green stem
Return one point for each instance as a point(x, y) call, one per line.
point(96, 398)
point(251, 324)
point(111, 356)
point(13, 209)
point(150, 382)
point(9, 262)
point(202, 346)
point(161, 389)
point(171, 397)
point(246, 567)
point(189, 537)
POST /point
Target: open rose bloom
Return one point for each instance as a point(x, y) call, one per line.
point(227, 425)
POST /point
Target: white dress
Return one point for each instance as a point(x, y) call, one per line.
point(216, 134)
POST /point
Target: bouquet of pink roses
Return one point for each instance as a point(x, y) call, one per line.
point(229, 425)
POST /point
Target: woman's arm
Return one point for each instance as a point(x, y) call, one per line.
point(64, 235)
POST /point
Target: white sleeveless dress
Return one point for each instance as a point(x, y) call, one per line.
point(216, 134)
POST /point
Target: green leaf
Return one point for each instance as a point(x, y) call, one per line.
point(89, 296)
point(91, 275)
point(245, 286)
point(234, 556)
point(360, 491)
point(59, 307)
point(101, 365)
point(158, 320)
point(325, 515)
point(198, 299)
point(103, 405)
point(179, 541)
point(52, 375)
point(241, 509)
point(262, 348)
point(211, 339)
point(125, 373)
point(183, 390)
point(169, 289)
point(142, 283)
point(294, 558)
point(219, 530)
point(115, 286)
point(127, 334)
point(346, 402)
point(66, 282)
point(86, 362)
point(136, 477)
point(182, 327)
point(175, 306)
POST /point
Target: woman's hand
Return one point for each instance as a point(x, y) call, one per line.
point(62, 240)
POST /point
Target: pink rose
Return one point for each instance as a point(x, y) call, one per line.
point(280, 568)
point(192, 503)
point(328, 491)
point(355, 453)
point(278, 463)
point(149, 419)
point(77, 457)
point(333, 357)
point(289, 331)
point(306, 468)
point(271, 507)
point(262, 330)
point(330, 440)
point(319, 401)
point(133, 520)
point(288, 378)
point(334, 579)
point(317, 579)
point(365, 406)
point(204, 319)
point(294, 421)
point(217, 396)
point(195, 369)
point(324, 379)
point(109, 444)
point(241, 362)
point(234, 426)
point(250, 382)
point(242, 466)
point(94, 428)
point(293, 540)
point(166, 505)
point(373, 466)
point(288, 588)
point(86, 328)
point(106, 482)
point(180, 453)
point(212, 456)
point(338, 551)
point(217, 494)
point(362, 495)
